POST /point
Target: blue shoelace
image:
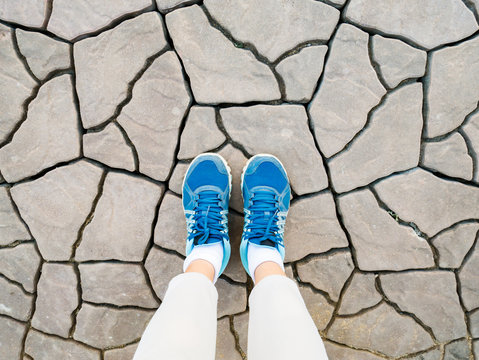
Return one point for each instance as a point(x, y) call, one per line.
point(208, 222)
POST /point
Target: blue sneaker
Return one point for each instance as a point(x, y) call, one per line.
point(266, 195)
point(206, 194)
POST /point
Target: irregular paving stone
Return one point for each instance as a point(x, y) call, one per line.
point(113, 58)
point(469, 279)
point(26, 12)
point(56, 205)
point(272, 28)
point(397, 60)
point(48, 136)
point(240, 324)
point(360, 294)
point(234, 270)
point(153, 117)
point(391, 143)
point(103, 327)
point(231, 298)
point(428, 23)
point(449, 156)
point(71, 19)
point(426, 198)
point(453, 244)
point(109, 147)
point(432, 297)
point(457, 350)
point(170, 229)
point(349, 89)
point(43, 54)
point(164, 5)
point(121, 225)
point(219, 72)
point(12, 228)
point(225, 342)
point(318, 307)
point(175, 183)
point(430, 355)
point(380, 242)
point(13, 301)
point(382, 330)
point(475, 347)
point(200, 133)
point(118, 284)
point(474, 323)
point(312, 227)
point(328, 273)
point(20, 264)
point(43, 347)
point(125, 353)
point(336, 351)
point(471, 129)
point(452, 92)
point(282, 131)
point(57, 298)
point(11, 337)
point(301, 72)
point(16, 84)
point(162, 267)
point(237, 161)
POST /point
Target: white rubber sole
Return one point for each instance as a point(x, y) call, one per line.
point(252, 158)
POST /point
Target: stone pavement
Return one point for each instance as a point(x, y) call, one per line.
point(372, 105)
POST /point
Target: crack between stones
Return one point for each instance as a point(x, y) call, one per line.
point(360, 312)
point(176, 7)
point(48, 15)
point(14, 25)
point(370, 351)
point(339, 302)
point(130, 144)
point(463, 307)
point(375, 64)
point(447, 177)
point(79, 291)
point(117, 307)
point(22, 57)
point(17, 284)
point(236, 337)
point(75, 341)
point(471, 153)
point(471, 6)
point(229, 139)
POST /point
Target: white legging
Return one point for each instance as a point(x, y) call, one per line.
point(184, 327)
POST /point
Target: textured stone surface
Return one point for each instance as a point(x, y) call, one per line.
point(57, 298)
point(20, 264)
point(11, 337)
point(104, 327)
point(162, 267)
point(114, 57)
point(56, 205)
point(360, 294)
point(453, 244)
point(341, 352)
point(48, 136)
point(25, 12)
point(391, 143)
point(327, 273)
point(125, 353)
point(453, 92)
point(121, 225)
point(429, 355)
point(11, 229)
point(471, 130)
point(427, 197)
point(474, 323)
point(469, 280)
point(383, 330)
point(176, 180)
point(170, 229)
point(312, 227)
point(432, 297)
point(318, 307)
point(219, 72)
point(349, 89)
point(231, 298)
point(109, 147)
point(236, 161)
point(225, 342)
point(43, 347)
point(235, 270)
point(457, 350)
point(281, 131)
point(450, 157)
point(240, 324)
point(380, 242)
point(43, 54)
point(71, 19)
point(200, 133)
point(301, 72)
point(274, 29)
point(428, 23)
point(397, 60)
point(164, 5)
point(13, 301)
point(153, 117)
point(118, 284)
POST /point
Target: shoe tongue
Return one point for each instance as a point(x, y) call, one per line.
point(268, 243)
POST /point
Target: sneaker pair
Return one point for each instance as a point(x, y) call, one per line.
point(206, 193)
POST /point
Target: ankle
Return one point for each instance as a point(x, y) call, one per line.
point(203, 267)
point(266, 269)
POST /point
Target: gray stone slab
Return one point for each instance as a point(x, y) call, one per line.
point(381, 330)
point(236, 161)
point(231, 298)
point(469, 280)
point(474, 323)
point(471, 129)
point(43, 54)
point(176, 180)
point(153, 117)
point(71, 19)
point(219, 72)
point(57, 298)
point(121, 225)
point(234, 270)
point(48, 136)
point(125, 353)
point(457, 350)
point(349, 89)
point(165, 5)
point(114, 57)
point(389, 144)
point(25, 12)
point(432, 297)
point(12, 228)
point(170, 229)
point(336, 351)
point(318, 307)
point(428, 23)
point(14, 301)
point(118, 284)
point(104, 327)
point(380, 242)
point(240, 324)
point(312, 227)
point(11, 337)
point(360, 294)
point(282, 131)
point(56, 205)
point(162, 267)
point(225, 342)
point(20, 264)
point(475, 347)
point(429, 355)
point(427, 196)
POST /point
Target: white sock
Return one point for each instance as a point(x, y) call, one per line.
point(258, 254)
point(213, 253)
